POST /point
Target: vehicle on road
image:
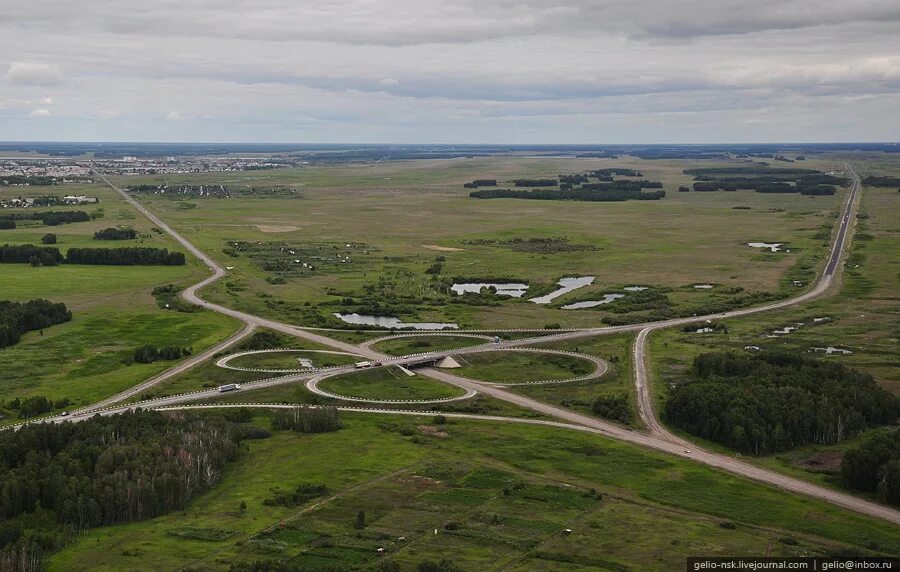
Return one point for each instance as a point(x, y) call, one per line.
point(229, 387)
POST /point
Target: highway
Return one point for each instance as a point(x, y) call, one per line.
point(657, 437)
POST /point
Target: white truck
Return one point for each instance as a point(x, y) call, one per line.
point(229, 387)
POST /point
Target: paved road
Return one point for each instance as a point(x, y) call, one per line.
point(657, 439)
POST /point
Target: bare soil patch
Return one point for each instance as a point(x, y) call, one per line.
point(441, 248)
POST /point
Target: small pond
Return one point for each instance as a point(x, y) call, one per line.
point(772, 246)
point(391, 322)
point(566, 285)
point(607, 298)
point(514, 289)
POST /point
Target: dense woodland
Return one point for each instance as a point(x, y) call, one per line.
point(772, 401)
point(874, 466)
point(57, 479)
point(764, 179)
point(17, 318)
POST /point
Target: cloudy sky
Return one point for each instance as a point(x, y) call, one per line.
point(460, 71)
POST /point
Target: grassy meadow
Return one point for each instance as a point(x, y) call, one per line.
point(113, 309)
point(499, 497)
point(399, 217)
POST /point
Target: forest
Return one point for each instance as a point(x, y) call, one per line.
point(49, 218)
point(17, 318)
point(115, 234)
point(764, 179)
point(58, 479)
point(771, 401)
point(874, 466)
point(570, 195)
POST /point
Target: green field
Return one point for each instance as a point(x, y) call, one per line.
point(497, 494)
point(288, 360)
point(418, 344)
point(520, 367)
point(387, 383)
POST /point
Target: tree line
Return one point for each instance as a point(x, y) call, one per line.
point(874, 466)
point(17, 318)
point(772, 401)
point(115, 234)
point(622, 185)
point(569, 195)
point(122, 256)
point(761, 187)
point(58, 479)
point(873, 181)
point(481, 183)
point(49, 218)
point(125, 256)
point(35, 405)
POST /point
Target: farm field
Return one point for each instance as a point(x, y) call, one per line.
point(408, 216)
point(497, 494)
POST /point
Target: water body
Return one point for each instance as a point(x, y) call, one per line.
point(304, 362)
point(513, 289)
point(607, 298)
point(391, 322)
point(704, 331)
point(567, 285)
point(772, 246)
point(635, 288)
point(833, 350)
point(703, 286)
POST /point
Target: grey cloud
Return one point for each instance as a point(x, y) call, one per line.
point(24, 73)
point(416, 22)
